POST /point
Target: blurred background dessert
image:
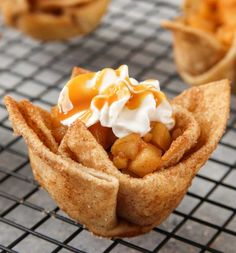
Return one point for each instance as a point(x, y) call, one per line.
point(204, 41)
point(53, 19)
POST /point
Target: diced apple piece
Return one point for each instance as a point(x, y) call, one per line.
point(147, 137)
point(127, 146)
point(161, 136)
point(103, 135)
point(147, 161)
point(120, 162)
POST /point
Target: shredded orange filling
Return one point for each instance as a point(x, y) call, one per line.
point(215, 16)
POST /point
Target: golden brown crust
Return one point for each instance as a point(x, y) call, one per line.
point(53, 20)
point(122, 205)
point(190, 133)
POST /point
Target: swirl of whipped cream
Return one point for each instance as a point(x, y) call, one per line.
point(115, 100)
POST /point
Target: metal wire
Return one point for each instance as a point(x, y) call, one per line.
point(130, 34)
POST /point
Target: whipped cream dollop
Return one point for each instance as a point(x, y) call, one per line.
point(115, 100)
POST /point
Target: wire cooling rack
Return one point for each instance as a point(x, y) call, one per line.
point(30, 221)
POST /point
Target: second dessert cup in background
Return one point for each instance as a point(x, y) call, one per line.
point(52, 19)
point(199, 55)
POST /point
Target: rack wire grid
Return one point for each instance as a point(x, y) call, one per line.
point(130, 33)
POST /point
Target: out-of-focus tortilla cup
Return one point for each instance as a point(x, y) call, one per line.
point(53, 19)
point(200, 55)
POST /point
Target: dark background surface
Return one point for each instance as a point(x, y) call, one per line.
point(30, 222)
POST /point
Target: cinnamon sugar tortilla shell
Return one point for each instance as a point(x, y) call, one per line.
point(190, 129)
point(39, 121)
point(46, 127)
point(199, 57)
point(86, 195)
point(143, 202)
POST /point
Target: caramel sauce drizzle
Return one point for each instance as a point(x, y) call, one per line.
point(82, 93)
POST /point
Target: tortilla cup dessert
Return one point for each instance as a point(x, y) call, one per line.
point(115, 154)
point(205, 41)
point(53, 19)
